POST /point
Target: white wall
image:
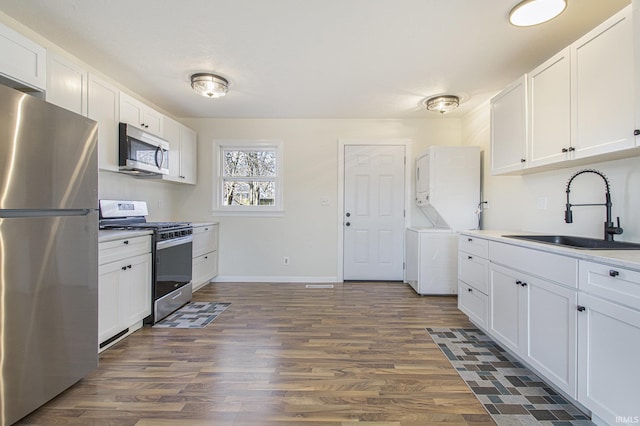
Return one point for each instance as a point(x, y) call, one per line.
point(252, 248)
point(158, 195)
point(518, 202)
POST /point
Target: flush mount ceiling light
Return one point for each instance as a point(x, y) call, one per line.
point(534, 12)
point(442, 104)
point(209, 85)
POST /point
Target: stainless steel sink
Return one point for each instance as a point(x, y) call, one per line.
point(578, 242)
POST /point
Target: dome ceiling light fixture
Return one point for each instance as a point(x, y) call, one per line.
point(209, 85)
point(441, 104)
point(533, 12)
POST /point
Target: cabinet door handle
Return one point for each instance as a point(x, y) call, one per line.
point(125, 242)
point(469, 257)
point(613, 273)
point(124, 268)
point(518, 282)
point(206, 229)
point(636, 132)
point(470, 290)
point(581, 308)
point(565, 150)
point(129, 266)
point(523, 284)
point(522, 160)
point(470, 239)
point(206, 257)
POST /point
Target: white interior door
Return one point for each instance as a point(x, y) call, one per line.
point(374, 179)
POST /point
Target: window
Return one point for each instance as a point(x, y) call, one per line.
point(249, 177)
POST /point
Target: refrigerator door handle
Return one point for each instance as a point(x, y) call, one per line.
point(9, 213)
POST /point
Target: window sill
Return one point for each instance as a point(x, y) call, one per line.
point(247, 213)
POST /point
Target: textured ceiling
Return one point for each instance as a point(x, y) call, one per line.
point(307, 58)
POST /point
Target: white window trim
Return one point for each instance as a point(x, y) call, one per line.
point(276, 210)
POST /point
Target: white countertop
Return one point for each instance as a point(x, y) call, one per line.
point(199, 224)
point(622, 258)
point(111, 235)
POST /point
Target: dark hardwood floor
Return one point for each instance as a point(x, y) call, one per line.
point(282, 354)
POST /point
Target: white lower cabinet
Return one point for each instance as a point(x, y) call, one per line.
point(205, 254)
point(551, 332)
point(609, 342)
point(124, 286)
point(506, 308)
point(473, 279)
point(609, 347)
point(532, 309)
point(535, 319)
point(576, 322)
point(474, 303)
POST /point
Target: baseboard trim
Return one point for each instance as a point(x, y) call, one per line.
point(271, 279)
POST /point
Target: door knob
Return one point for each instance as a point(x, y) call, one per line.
point(348, 224)
point(348, 214)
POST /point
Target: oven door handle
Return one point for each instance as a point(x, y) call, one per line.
point(174, 242)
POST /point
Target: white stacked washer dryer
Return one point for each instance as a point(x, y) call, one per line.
point(448, 193)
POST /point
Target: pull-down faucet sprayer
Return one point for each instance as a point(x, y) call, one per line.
point(610, 229)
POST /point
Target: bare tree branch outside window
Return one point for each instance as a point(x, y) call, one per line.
point(249, 177)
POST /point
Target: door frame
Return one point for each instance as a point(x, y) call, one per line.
point(408, 185)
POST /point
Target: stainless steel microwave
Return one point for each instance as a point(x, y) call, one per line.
point(141, 153)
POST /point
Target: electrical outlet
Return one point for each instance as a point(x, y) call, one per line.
point(542, 203)
point(285, 260)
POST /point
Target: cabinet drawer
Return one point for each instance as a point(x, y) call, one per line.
point(205, 267)
point(205, 239)
point(110, 251)
point(611, 282)
point(473, 303)
point(474, 245)
point(473, 270)
point(554, 267)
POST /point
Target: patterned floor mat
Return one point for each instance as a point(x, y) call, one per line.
point(193, 315)
point(510, 392)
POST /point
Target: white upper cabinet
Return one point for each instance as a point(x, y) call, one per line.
point(140, 115)
point(550, 111)
point(21, 59)
point(582, 104)
point(66, 84)
point(103, 107)
point(636, 37)
point(603, 88)
point(509, 128)
point(182, 151)
point(188, 155)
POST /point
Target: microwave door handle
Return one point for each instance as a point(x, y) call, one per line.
point(159, 150)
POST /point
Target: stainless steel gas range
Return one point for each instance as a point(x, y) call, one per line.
point(171, 252)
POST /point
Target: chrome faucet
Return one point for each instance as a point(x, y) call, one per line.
point(610, 229)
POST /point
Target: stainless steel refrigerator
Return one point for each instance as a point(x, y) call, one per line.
point(48, 251)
